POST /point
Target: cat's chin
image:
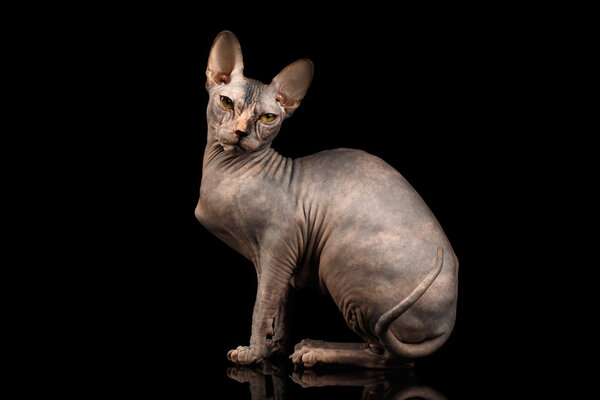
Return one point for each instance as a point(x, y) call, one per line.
point(232, 148)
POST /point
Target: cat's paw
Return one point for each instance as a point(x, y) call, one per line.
point(307, 352)
point(244, 355)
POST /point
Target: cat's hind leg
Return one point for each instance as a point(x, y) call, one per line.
point(309, 353)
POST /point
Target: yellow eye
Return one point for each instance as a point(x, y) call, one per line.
point(226, 102)
point(268, 117)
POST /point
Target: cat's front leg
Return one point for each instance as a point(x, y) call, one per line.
point(269, 334)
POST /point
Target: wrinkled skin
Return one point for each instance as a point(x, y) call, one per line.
point(342, 220)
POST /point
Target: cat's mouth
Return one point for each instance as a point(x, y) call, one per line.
point(241, 145)
point(232, 147)
point(236, 144)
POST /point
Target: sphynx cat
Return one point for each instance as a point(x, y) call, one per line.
point(341, 219)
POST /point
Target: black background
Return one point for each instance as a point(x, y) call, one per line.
point(157, 301)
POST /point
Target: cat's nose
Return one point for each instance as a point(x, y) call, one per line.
point(242, 125)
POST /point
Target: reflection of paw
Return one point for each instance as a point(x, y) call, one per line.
point(242, 374)
point(306, 379)
point(244, 355)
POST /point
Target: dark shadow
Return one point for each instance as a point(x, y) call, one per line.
point(269, 380)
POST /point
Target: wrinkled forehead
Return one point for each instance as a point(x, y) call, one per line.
point(248, 91)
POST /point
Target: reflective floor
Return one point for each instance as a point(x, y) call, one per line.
point(274, 381)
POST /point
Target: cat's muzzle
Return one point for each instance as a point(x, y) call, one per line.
point(231, 146)
point(230, 143)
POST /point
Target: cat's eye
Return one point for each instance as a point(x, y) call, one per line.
point(226, 102)
point(268, 117)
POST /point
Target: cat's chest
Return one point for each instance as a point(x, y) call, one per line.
point(231, 204)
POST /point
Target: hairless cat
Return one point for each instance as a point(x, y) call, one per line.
point(341, 219)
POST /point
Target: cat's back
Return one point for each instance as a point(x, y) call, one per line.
point(350, 172)
point(359, 188)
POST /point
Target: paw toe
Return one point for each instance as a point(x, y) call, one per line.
point(309, 359)
point(296, 357)
point(243, 355)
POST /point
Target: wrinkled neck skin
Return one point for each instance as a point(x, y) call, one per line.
point(239, 190)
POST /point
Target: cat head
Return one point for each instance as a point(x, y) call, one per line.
point(244, 114)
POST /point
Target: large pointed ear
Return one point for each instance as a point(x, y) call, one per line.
point(225, 60)
point(292, 83)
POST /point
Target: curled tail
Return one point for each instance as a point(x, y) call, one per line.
point(408, 350)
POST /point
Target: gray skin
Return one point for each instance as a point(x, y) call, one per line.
point(342, 220)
